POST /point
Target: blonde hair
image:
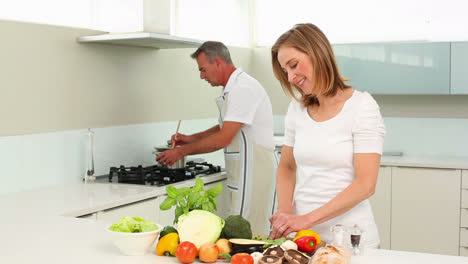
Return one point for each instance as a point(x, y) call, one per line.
point(309, 39)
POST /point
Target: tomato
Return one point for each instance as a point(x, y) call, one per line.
point(242, 258)
point(186, 252)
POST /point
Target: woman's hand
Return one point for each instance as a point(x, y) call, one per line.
point(284, 224)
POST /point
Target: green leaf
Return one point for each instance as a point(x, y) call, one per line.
point(178, 212)
point(184, 191)
point(226, 256)
point(200, 201)
point(167, 203)
point(214, 203)
point(207, 206)
point(192, 199)
point(216, 190)
point(172, 191)
point(198, 185)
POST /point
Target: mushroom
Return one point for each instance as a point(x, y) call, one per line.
point(270, 260)
point(295, 257)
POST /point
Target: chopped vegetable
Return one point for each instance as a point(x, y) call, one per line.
point(133, 225)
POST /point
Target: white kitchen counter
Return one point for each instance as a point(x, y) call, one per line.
point(39, 226)
point(441, 162)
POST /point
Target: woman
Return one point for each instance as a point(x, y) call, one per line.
point(332, 145)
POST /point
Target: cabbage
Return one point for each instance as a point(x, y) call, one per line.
point(199, 227)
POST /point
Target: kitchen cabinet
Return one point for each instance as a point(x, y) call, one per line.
point(464, 215)
point(396, 68)
point(381, 205)
point(146, 209)
point(425, 214)
point(459, 68)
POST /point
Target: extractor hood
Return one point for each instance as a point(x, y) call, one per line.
point(143, 39)
point(156, 30)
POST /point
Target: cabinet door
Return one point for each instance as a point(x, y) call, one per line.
point(146, 209)
point(459, 68)
point(426, 210)
point(381, 205)
point(403, 68)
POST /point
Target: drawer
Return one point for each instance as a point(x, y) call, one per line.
point(463, 237)
point(464, 251)
point(464, 200)
point(464, 218)
point(464, 179)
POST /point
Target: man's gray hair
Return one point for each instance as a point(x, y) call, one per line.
point(213, 49)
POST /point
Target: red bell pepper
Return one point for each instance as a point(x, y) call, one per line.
point(306, 243)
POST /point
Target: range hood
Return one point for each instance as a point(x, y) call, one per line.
point(143, 39)
point(156, 30)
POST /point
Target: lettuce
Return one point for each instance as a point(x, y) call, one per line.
point(133, 225)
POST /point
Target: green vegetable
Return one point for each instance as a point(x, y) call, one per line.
point(270, 242)
point(133, 225)
point(196, 198)
point(167, 230)
point(236, 227)
point(200, 227)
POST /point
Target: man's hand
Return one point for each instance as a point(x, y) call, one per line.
point(181, 139)
point(169, 157)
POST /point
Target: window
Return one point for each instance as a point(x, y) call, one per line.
point(366, 20)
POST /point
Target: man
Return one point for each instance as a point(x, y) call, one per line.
point(245, 131)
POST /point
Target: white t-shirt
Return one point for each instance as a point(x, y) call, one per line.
point(248, 103)
point(324, 157)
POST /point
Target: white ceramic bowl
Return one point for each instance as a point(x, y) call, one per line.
point(134, 244)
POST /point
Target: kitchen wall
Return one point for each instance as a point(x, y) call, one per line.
point(418, 125)
point(53, 89)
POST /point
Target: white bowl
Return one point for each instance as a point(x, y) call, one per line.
point(134, 244)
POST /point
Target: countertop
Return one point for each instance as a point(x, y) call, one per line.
point(39, 226)
point(441, 162)
point(423, 161)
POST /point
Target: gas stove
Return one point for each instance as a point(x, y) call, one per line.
point(159, 175)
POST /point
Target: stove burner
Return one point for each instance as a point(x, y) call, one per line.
point(160, 175)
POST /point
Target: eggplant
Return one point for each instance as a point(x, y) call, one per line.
point(246, 246)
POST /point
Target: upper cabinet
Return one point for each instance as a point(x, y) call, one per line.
point(459, 68)
point(396, 68)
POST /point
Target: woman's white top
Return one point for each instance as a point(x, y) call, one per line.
point(324, 157)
